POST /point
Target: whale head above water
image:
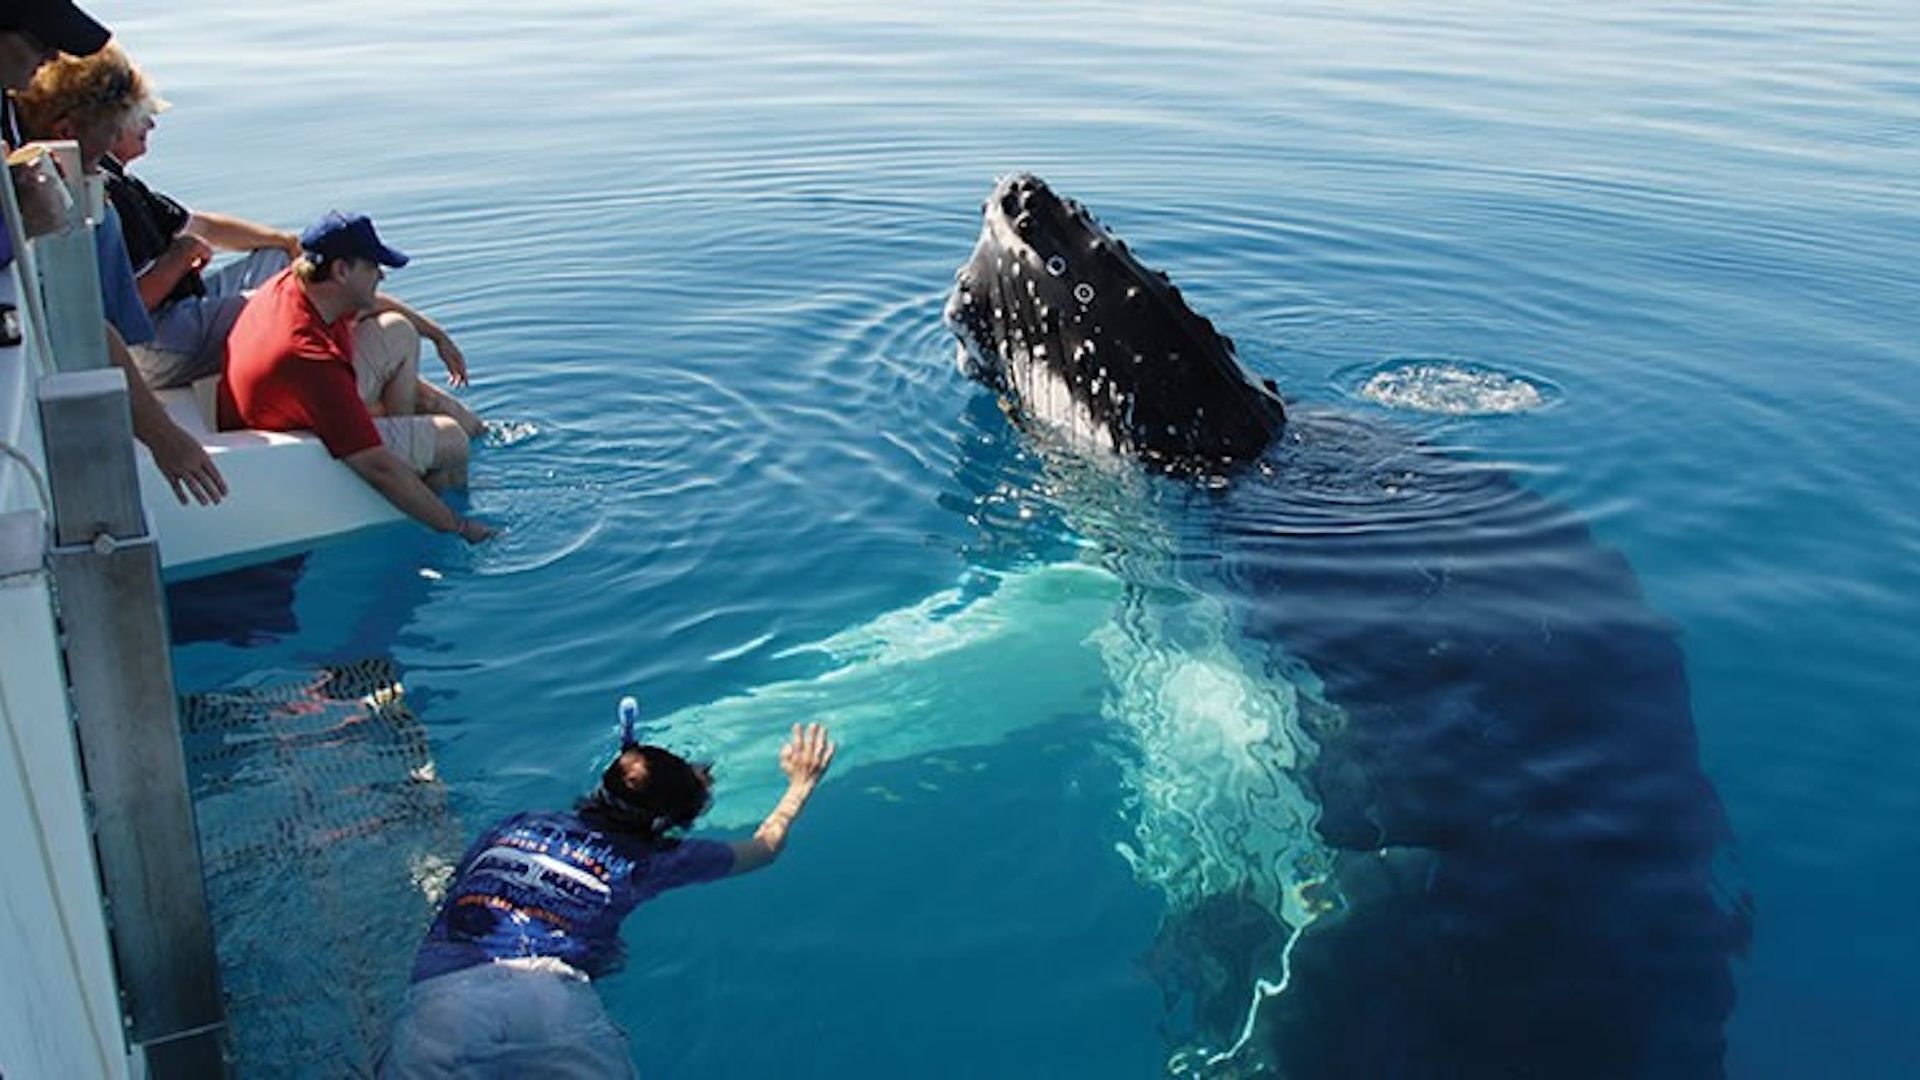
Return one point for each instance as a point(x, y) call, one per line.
point(1078, 337)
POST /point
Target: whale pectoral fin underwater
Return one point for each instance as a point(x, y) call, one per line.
point(1515, 868)
point(906, 683)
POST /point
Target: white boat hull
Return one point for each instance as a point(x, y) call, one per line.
point(285, 493)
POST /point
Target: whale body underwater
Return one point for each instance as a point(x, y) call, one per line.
point(1521, 845)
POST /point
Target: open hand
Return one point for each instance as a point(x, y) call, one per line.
point(188, 468)
point(192, 251)
point(807, 754)
point(453, 358)
point(475, 531)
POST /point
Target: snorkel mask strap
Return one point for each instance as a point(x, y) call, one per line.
point(606, 796)
point(630, 738)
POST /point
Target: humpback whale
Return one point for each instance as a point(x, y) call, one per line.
point(1519, 867)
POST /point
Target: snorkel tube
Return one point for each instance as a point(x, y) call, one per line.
point(647, 789)
point(629, 719)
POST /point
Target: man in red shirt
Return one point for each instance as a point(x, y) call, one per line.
point(291, 367)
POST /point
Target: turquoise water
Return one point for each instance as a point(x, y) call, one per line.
point(697, 255)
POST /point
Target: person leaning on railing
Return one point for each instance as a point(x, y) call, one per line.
point(192, 307)
point(33, 32)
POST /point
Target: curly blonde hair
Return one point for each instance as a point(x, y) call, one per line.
point(98, 95)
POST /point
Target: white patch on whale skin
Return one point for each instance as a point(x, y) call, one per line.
point(1207, 743)
point(907, 684)
point(1218, 809)
point(1214, 806)
point(1041, 394)
point(1049, 399)
point(968, 361)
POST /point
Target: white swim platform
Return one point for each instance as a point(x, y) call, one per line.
point(284, 493)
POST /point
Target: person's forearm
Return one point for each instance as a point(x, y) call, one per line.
point(406, 491)
point(229, 233)
point(773, 831)
point(428, 328)
point(771, 836)
point(150, 419)
point(804, 758)
point(188, 468)
point(157, 281)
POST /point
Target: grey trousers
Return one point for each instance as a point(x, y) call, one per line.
point(516, 1018)
point(190, 335)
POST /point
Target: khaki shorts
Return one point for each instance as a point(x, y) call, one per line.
point(380, 349)
point(411, 438)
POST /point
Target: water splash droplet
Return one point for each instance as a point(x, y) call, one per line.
point(1452, 389)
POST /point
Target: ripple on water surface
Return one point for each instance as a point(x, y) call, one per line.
point(711, 272)
point(543, 517)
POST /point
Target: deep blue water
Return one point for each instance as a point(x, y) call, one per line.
point(696, 255)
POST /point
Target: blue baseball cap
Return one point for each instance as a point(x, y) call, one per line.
point(349, 236)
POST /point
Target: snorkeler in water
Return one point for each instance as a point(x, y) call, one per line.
point(502, 984)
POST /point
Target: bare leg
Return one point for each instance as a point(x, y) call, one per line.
point(398, 397)
point(449, 468)
point(386, 363)
point(438, 402)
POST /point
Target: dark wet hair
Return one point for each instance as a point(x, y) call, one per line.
point(648, 791)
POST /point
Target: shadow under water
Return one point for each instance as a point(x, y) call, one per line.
point(248, 606)
point(1526, 878)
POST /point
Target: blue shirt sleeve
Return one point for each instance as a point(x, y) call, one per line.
point(689, 862)
point(118, 293)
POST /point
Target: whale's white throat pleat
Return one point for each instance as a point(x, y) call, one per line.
point(1052, 401)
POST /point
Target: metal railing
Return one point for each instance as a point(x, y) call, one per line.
point(109, 610)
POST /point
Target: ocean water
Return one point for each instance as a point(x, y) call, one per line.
point(1654, 261)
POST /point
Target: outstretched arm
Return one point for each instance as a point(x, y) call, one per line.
point(192, 248)
point(804, 759)
point(228, 233)
point(392, 478)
